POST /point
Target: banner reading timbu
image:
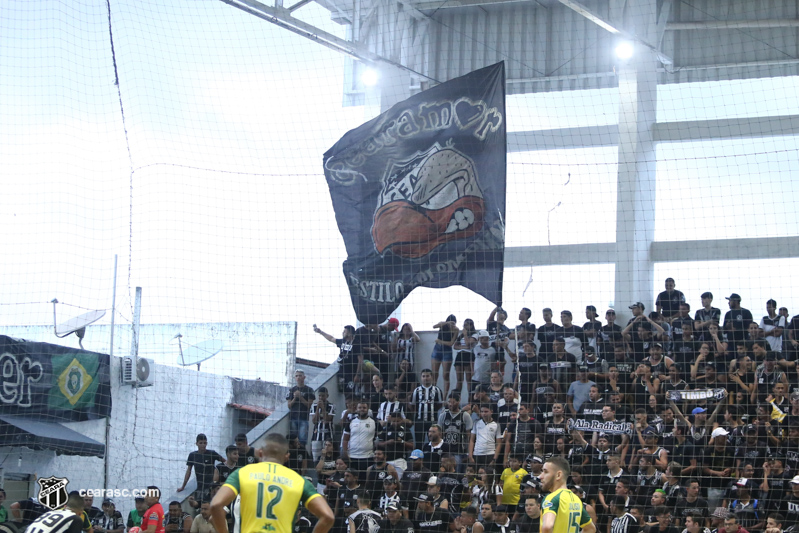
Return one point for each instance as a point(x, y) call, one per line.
point(419, 194)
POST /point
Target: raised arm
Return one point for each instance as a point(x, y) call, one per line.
point(327, 336)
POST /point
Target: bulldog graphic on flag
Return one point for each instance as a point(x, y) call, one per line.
point(419, 195)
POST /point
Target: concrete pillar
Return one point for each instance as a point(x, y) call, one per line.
point(635, 209)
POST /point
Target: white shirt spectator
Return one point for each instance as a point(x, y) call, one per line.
point(486, 435)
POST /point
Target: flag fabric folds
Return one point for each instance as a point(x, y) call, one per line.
point(47, 382)
point(419, 194)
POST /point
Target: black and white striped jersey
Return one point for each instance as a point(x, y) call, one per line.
point(322, 430)
point(386, 408)
point(63, 521)
point(626, 523)
point(427, 401)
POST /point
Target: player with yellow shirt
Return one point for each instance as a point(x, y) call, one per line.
point(562, 511)
point(270, 494)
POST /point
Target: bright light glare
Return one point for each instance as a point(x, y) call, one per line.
point(369, 77)
point(624, 50)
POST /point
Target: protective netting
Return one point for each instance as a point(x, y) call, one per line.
point(186, 140)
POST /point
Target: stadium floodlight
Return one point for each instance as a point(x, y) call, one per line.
point(624, 50)
point(196, 354)
point(370, 77)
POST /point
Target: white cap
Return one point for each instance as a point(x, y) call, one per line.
point(433, 480)
point(719, 432)
point(795, 480)
point(483, 333)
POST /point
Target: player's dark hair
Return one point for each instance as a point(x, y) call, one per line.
point(561, 464)
point(75, 500)
point(363, 496)
point(201, 436)
point(619, 501)
point(471, 510)
point(349, 328)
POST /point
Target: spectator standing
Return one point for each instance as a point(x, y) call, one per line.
point(485, 440)
point(561, 363)
point(358, 444)
point(623, 522)
point(442, 351)
point(223, 470)
point(347, 361)
point(668, 302)
point(203, 462)
point(773, 326)
point(246, 452)
point(737, 319)
point(300, 398)
point(547, 333)
point(405, 344)
point(425, 402)
point(609, 334)
point(499, 335)
point(435, 448)
point(484, 357)
point(573, 336)
point(579, 390)
point(456, 425)
point(322, 413)
point(706, 316)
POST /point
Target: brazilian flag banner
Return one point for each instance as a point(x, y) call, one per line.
point(54, 383)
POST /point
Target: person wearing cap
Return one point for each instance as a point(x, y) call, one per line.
point(640, 333)
point(737, 319)
point(545, 390)
point(395, 521)
point(414, 479)
point(752, 449)
point(668, 301)
point(110, 521)
point(773, 325)
point(547, 333)
point(658, 362)
point(637, 309)
point(428, 518)
point(390, 496)
point(609, 334)
point(579, 390)
point(484, 356)
point(717, 466)
point(790, 444)
point(789, 506)
point(749, 511)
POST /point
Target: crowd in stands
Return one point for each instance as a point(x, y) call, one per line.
point(673, 421)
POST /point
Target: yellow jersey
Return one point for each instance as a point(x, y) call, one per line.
point(570, 513)
point(270, 494)
point(511, 485)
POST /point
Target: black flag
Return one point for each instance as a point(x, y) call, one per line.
point(419, 195)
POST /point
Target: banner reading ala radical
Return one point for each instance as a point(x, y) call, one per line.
point(53, 383)
point(419, 194)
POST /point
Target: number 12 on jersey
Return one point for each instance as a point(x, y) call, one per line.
point(275, 495)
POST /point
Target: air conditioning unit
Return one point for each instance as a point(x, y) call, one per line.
point(138, 371)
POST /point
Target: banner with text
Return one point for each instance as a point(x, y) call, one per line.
point(53, 383)
point(419, 195)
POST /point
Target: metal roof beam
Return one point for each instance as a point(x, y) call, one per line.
point(581, 9)
point(732, 24)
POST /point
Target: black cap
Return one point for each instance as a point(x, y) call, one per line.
point(750, 428)
point(423, 497)
point(543, 365)
point(656, 344)
point(590, 308)
point(637, 304)
point(501, 509)
point(560, 338)
point(734, 296)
